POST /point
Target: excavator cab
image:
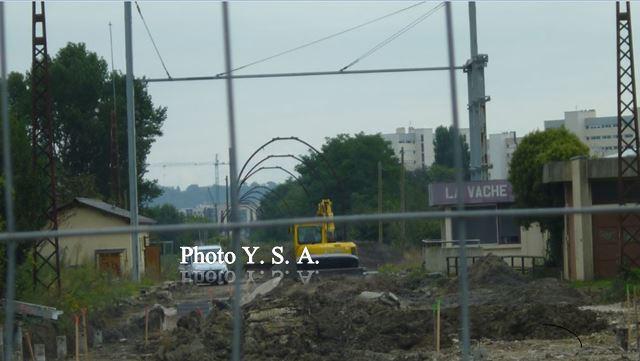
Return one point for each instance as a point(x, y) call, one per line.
point(320, 241)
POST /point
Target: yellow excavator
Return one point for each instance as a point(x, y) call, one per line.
point(319, 239)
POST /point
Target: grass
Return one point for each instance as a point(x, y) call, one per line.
point(601, 284)
point(83, 287)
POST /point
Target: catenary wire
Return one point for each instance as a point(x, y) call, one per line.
point(394, 36)
point(327, 37)
point(144, 22)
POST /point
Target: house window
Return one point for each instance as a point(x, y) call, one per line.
point(110, 260)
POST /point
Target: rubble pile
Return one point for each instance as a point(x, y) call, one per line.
point(367, 318)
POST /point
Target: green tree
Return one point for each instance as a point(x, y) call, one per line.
point(443, 145)
point(166, 214)
point(525, 175)
point(82, 103)
point(346, 173)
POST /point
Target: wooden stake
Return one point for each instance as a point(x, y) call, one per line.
point(438, 326)
point(146, 325)
point(77, 322)
point(86, 333)
point(628, 316)
point(29, 345)
point(435, 325)
point(635, 319)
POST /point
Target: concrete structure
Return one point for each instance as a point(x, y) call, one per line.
point(417, 144)
point(591, 245)
point(109, 252)
point(599, 133)
point(500, 151)
point(501, 236)
point(419, 151)
point(207, 211)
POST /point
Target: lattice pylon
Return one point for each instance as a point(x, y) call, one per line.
point(628, 160)
point(46, 258)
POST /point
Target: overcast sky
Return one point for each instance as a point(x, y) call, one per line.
point(544, 58)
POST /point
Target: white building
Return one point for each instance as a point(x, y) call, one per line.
point(500, 150)
point(419, 151)
point(417, 144)
point(600, 134)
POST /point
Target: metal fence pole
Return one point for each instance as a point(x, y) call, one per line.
point(236, 346)
point(457, 153)
point(131, 144)
point(10, 284)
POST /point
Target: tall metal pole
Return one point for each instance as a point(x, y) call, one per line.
point(46, 255)
point(457, 155)
point(10, 280)
point(236, 352)
point(628, 140)
point(403, 206)
point(474, 68)
point(380, 200)
point(131, 144)
point(114, 149)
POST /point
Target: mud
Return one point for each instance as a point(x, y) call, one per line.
point(329, 320)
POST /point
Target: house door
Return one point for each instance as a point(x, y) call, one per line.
point(152, 260)
point(110, 262)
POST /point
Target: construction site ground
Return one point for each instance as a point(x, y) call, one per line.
point(379, 316)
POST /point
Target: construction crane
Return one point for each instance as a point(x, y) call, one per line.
point(216, 164)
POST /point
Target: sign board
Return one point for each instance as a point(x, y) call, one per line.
point(476, 192)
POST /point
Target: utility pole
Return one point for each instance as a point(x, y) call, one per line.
point(379, 200)
point(114, 156)
point(474, 68)
point(46, 255)
point(226, 208)
point(628, 142)
point(403, 207)
point(131, 145)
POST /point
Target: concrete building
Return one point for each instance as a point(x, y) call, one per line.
point(417, 144)
point(109, 252)
point(502, 236)
point(600, 134)
point(591, 244)
point(500, 148)
point(207, 211)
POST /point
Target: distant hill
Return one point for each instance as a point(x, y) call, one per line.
point(195, 195)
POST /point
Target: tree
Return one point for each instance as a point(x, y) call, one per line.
point(346, 172)
point(82, 103)
point(525, 175)
point(443, 145)
point(166, 214)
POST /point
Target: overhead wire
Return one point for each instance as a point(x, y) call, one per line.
point(394, 36)
point(144, 22)
point(305, 45)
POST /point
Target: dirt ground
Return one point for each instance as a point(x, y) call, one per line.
point(380, 317)
point(391, 317)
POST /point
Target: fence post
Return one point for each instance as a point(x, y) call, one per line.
point(18, 343)
point(61, 347)
point(39, 352)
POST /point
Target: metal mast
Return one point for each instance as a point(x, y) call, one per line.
point(628, 160)
point(474, 68)
point(114, 153)
point(45, 251)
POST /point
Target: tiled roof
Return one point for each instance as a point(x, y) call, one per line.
point(108, 208)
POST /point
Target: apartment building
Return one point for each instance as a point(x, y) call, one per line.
point(417, 144)
point(600, 134)
point(500, 148)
